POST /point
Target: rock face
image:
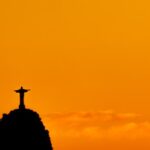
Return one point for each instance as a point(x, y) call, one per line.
point(22, 129)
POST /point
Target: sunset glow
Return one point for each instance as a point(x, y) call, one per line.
point(87, 65)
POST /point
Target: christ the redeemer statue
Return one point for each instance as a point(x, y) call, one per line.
point(21, 91)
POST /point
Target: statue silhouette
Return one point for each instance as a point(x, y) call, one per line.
point(21, 91)
point(22, 129)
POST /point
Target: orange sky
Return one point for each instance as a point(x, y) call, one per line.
point(79, 57)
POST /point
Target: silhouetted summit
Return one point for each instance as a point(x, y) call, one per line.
point(22, 129)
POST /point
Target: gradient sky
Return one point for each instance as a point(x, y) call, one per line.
point(86, 63)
